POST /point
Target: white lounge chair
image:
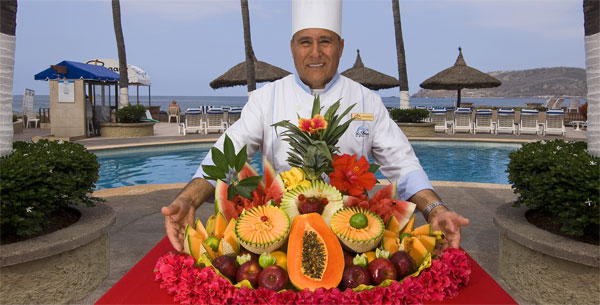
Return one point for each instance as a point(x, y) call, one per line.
point(483, 121)
point(529, 121)
point(506, 121)
point(174, 113)
point(557, 104)
point(215, 120)
point(193, 121)
point(555, 122)
point(462, 120)
point(31, 117)
point(233, 114)
point(438, 116)
point(550, 102)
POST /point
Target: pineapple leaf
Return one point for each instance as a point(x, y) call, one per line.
point(316, 109)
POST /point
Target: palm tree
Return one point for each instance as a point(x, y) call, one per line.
point(591, 15)
point(8, 25)
point(250, 72)
point(123, 78)
point(402, 75)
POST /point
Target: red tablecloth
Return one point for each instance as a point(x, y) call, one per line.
point(138, 285)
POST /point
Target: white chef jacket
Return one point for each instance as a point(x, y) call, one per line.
point(289, 97)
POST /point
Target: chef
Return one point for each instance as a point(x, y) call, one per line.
point(317, 47)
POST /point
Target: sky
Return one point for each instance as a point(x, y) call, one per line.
point(185, 44)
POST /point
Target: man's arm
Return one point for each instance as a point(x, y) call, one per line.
point(440, 217)
point(182, 210)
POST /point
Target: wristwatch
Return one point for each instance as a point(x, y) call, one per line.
point(430, 207)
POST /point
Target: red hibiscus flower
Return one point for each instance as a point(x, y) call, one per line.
point(351, 176)
point(312, 125)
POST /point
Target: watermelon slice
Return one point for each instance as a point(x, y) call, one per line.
point(275, 190)
point(387, 192)
point(269, 174)
point(226, 207)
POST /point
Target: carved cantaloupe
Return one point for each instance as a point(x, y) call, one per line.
point(318, 257)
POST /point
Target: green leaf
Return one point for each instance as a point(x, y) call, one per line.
point(229, 151)
point(247, 185)
point(231, 191)
point(213, 171)
point(316, 109)
point(373, 168)
point(241, 159)
point(219, 159)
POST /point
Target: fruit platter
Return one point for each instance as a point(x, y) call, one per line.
point(310, 234)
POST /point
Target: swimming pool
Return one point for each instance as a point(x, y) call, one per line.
point(442, 160)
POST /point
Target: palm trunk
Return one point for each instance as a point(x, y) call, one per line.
point(591, 13)
point(8, 24)
point(402, 75)
point(123, 77)
point(250, 72)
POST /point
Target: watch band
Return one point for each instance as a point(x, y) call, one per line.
point(430, 207)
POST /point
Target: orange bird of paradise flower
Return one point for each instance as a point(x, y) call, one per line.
point(312, 125)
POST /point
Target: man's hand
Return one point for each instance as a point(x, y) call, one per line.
point(177, 215)
point(448, 222)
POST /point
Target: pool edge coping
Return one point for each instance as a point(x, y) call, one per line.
point(148, 188)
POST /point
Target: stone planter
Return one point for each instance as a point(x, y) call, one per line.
point(542, 267)
point(61, 267)
point(127, 130)
point(418, 129)
point(18, 126)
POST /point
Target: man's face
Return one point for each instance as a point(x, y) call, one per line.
point(316, 55)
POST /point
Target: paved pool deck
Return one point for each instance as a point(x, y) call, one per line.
point(139, 224)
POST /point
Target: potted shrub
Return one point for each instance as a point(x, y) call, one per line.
point(412, 122)
point(129, 124)
point(551, 231)
point(49, 223)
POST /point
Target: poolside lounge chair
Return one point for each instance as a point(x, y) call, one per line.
point(215, 120)
point(550, 102)
point(483, 121)
point(462, 120)
point(557, 104)
point(529, 121)
point(148, 117)
point(573, 106)
point(233, 114)
point(174, 113)
point(555, 122)
point(506, 121)
point(438, 116)
point(193, 121)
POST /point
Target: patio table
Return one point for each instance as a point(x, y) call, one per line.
point(138, 285)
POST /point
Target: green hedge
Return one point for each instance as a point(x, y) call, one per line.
point(412, 115)
point(560, 178)
point(40, 178)
point(130, 114)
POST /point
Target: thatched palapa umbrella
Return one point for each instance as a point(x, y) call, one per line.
point(368, 77)
point(460, 76)
point(237, 76)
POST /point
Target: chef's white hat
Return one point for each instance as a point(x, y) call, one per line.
point(322, 14)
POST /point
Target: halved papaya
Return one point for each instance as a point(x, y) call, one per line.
point(318, 254)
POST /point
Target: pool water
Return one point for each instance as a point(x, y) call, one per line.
point(442, 160)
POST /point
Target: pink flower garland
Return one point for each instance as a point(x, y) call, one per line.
point(192, 285)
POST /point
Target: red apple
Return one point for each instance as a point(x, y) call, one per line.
point(273, 277)
point(355, 275)
point(381, 269)
point(227, 266)
point(404, 264)
point(250, 271)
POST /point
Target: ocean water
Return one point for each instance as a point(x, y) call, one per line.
point(43, 101)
